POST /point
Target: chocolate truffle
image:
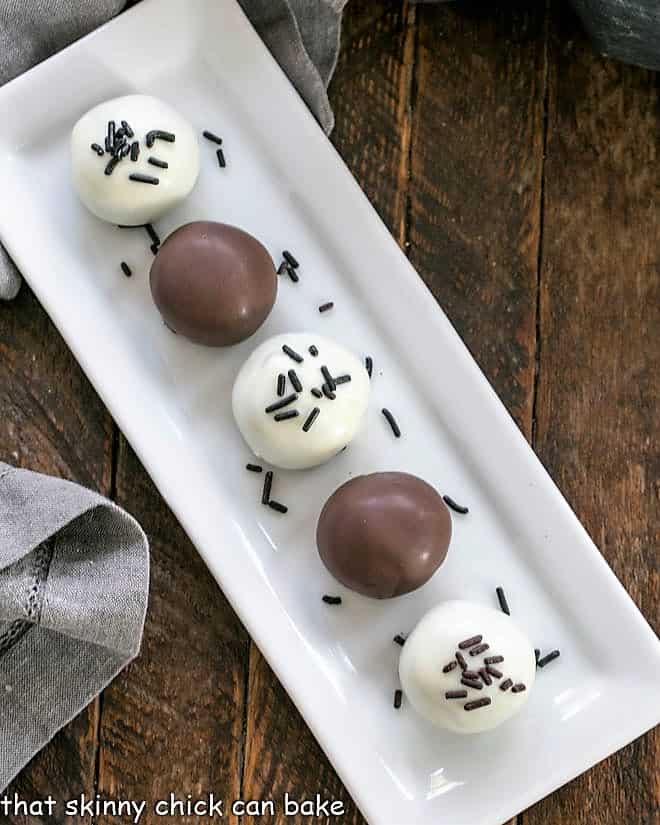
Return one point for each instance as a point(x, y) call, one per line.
point(213, 283)
point(384, 534)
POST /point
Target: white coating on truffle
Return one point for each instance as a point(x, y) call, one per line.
point(433, 644)
point(284, 443)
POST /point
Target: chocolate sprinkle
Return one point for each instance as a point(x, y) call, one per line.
point(281, 384)
point(475, 651)
point(291, 272)
point(107, 144)
point(285, 416)
point(392, 422)
point(111, 132)
point(471, 642)
point(325, 307)
point(458, 508)
point(506, 684)
point(398, 696)
point(311, 418)
point(295, 381)
point(518, 688)
point(449, 667)
point(280, 508)
point(478, 703)
point(470, 674)
point(401, 640)
point(221, 158)
point(550, 657)
point(313, 350)
point(254, 468)
point(537, 655)
point(493, 660)
point(461, 660)
point(213, 138)
point(494, 672)
point(283, 402)
point(158, 134)
point(369, 365)
point(154, 248)
point(268, 483)
point(288, 257)
point(501, 598)
point(329, 380)
point(328, 392)
point(98, 149)
point(342, 379)
point(282, 268)
point(456, 694)
point(153, 235)
point(331, 599)
point(127, 129)
point(139, 178)
point(161, 164)
point(483, 672)
point(135, 150)
point(109, 169)
point(286, 349)
point(473, 683)
point(125, 268)
point(316, 392)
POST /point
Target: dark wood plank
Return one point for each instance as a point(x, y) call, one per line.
point(173, 721)
point(476, 164)
point(599, 381)
point(52, 421)
point(371, 97)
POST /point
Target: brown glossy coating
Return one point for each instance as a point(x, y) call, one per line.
point(213, 283)
point(384, 534)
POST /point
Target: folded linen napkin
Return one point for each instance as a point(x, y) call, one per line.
point(74, 582)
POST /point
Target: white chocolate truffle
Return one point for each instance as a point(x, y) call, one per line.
point(432, 648)
point(115, 197)
point(295, 443)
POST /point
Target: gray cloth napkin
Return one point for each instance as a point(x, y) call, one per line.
point(74, 582)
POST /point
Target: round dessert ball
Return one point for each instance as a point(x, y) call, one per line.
point(384, 534)
point(213, 283)
point(148, 165)
point(299, 399)
point(467, 668)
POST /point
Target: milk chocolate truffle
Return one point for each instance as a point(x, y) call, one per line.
point(384, 534)
point(213, 283)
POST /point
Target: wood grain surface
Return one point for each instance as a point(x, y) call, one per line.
point(519, 172)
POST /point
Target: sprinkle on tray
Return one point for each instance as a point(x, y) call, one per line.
point(110, 166)
point(281, 384)
point(369, 365)
point(286, 349)
point(398, 696)
point(288, 257)
point(493, 660)
point(127, 129)
point(313, 351)
point(392, 422)
point(213, 138)
point(473, 683)
point(501, 598)
point(471, 642)
point(285, 416)
point(325, 307)
point(506, 684)
point(254, 468)
point(461, 660)
point(449, 667)
point(342, 379)
point(537, 655)
point(154, 248)
point(279, 508)
point(158, 134)
point(311, 418)
point(493, 671)
point(161, 164)
point(518, 688)
point(135, 151)
point(329, 394)
point(283, 402)
point(550, 657)
point(125, 268)
point(295, 381)
point(400, 640)
point(316, 392)
point(485, 675)
point(291, 272)
point(140, 178)
point(475, 651)
point(477, 703)
point(470, 674)
point(268, 483)
point(456, 694)
point(153, 235)
point(222, 162)
point(98, 149)
point(329, 380)
point(331, 599)
point(282, 268)
point(458, 508)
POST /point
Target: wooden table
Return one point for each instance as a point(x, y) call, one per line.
point(519, 172)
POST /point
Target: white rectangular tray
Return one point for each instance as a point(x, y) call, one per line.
point(286, 184)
